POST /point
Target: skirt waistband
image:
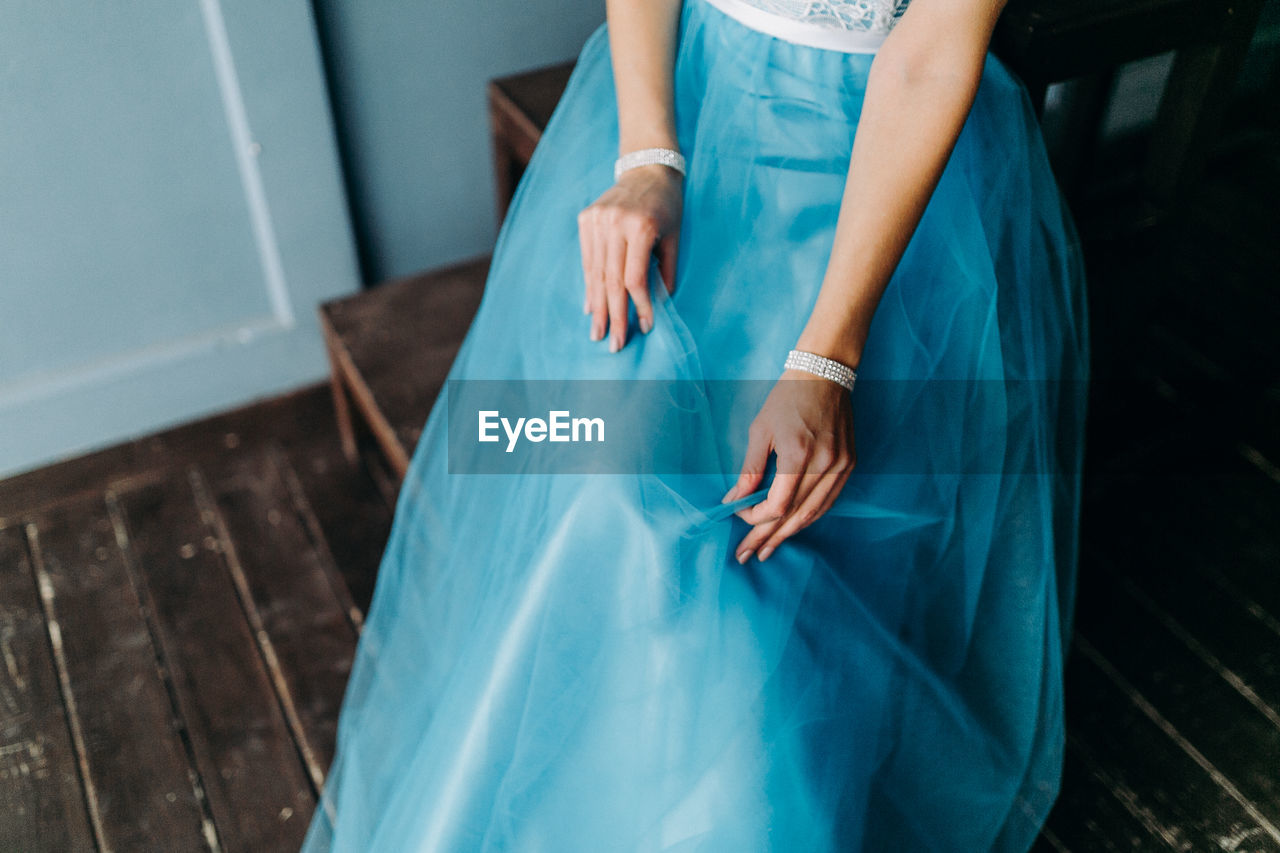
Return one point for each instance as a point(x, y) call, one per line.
point(798, 31)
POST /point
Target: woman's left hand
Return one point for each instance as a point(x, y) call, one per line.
point(808, 422)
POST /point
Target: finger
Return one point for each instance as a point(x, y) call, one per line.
point(599, 282)
point(586, 242)
point(752, 540)
point(753, 464)
point(835, 490)
point(668, 249)
point(776, 503)
point(807, 511)
point(792, 465)
point(817, 503)
point(636, 274)
point(805, 485)
point(614, 290)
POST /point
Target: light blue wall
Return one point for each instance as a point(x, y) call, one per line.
point(407, 78)
point(171, 214)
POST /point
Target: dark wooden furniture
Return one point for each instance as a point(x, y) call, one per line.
point(519, 108)
point(390, 349)
point(1049, 41)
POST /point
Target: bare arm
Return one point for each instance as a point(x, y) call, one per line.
point(920, 90)
point(642, 40)
point(619, 230)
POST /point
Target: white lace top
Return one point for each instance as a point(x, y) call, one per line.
point(855, 26)
point(872, 15)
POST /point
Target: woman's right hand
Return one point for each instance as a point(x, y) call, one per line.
point(618, 233)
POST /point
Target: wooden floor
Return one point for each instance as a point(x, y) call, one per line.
point(177, 620)
point(1173, 678)
point(178, 614)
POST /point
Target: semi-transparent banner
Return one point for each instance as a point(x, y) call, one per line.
point(686, 427)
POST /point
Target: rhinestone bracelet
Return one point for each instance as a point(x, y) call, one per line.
point(821, 366)
point(647, 157)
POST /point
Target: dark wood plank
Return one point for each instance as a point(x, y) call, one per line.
point(507, 168)
point(1196, 697)
point(42, 801)
point(1059, 39)
point(1233, 636)
point(299, 604)
point(520, 106)
point(395, 345)
point(258, 788)
point(1125, 742)
point(345, 512)
point(83, 475)
point(1129, 421)
point(1048, 843)
point(1221, 522)
point(1089, 815)
point(137, 767)
point(1195, 99)
point(341, 403)
point(304, 414)
point(531, 96)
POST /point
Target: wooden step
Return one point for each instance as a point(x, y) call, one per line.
point(391, 348)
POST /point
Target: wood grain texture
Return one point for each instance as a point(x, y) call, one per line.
point(394, 346)
point(41, 795)
point(1193, 694)
point(520, 105)
point(299, 602)
point(136, 763)
point(346, 514)
point(1089, 814)
point(1123, 742)
point(257, 785)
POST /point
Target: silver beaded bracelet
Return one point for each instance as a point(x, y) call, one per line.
point(647, 157)
point(822, 366)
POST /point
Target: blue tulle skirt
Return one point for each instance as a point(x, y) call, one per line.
point(576, 662)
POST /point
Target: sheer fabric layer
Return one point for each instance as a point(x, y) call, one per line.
point(577, 663)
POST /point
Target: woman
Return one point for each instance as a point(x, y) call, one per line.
point(824, 657)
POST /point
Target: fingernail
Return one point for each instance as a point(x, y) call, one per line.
point(614, 345)
point(645, 324)
point(744, 555)
point(727, 496)
point(596, 333)
point(586, 306)
point(764, 553)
